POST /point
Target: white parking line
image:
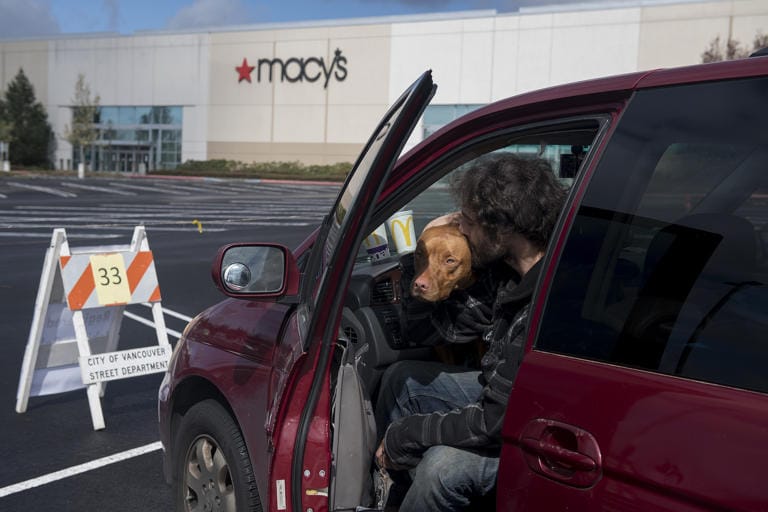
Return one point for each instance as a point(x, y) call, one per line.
point(141, 320)
point(99, 189)
point(149, 188)
point(47, 190)
point(171, 312)
point(104, 461)
point(81, 468)
point(48, 235)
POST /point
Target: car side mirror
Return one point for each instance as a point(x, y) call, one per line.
point(256, 271)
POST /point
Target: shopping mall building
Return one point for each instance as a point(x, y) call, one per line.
point(313, 91)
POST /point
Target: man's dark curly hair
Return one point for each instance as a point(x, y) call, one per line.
point(504, 192)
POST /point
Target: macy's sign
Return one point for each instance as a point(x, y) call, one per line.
point(295, 69)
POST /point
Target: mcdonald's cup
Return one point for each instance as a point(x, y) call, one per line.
point(376, 244)
point(402, 230)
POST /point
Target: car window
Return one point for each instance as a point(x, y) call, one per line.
point(564, 158)
point(564, 144)
point(665, 265)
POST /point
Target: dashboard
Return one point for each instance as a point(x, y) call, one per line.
point(371, 320)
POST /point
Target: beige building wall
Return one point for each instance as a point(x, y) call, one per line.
point(489, 58)
point(493, 57)
point(305, 120)
point(677, 35)
point(32, 57)
point(459, 52)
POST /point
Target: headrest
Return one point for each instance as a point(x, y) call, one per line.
point(721, 244)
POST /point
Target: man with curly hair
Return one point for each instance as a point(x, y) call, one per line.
point(443, 423)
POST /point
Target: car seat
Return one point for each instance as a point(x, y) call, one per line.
point(690, 267)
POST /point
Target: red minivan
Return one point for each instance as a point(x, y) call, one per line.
point(645, 376)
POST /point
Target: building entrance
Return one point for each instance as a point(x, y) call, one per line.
point(125, 158)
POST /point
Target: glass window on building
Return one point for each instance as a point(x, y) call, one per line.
point(166, 115)
point(170, 148)
point(437, 116)
point(144, 115)
point(107, 115)
point(126, 116)
point(135, 139)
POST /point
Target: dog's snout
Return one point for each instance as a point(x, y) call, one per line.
point(421, 284)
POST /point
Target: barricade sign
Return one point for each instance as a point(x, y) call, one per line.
point(76, 323)
point(126, 363)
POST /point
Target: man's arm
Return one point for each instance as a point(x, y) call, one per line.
point(474, 426)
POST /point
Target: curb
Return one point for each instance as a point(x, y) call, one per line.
point(304, 182)
point(250, 180)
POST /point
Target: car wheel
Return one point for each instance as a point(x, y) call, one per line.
point(212, 469)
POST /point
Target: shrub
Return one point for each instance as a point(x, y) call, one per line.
point(264, 170)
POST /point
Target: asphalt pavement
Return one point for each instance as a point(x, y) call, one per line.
point(52, 457)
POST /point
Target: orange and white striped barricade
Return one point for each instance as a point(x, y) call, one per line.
point(76, 324)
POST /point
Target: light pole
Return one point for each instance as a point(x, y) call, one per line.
point(4, 149)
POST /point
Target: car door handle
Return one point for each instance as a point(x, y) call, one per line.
point(561, 452)
point(575, 460)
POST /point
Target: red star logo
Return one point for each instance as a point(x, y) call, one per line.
point(244, 71)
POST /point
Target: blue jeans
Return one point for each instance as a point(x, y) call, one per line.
point(447, 477)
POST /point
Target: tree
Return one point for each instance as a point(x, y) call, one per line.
point(6, 128)
point(733, 49)
point(31, 137)
point(84, 109)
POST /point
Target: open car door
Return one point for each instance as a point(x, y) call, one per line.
point(301, 460)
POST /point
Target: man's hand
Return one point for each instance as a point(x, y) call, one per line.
point(381, 457)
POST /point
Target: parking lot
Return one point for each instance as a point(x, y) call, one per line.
point(54, 460)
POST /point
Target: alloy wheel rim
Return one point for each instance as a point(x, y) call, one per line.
point(207, 478)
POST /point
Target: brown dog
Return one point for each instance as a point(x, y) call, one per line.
point(443, 263)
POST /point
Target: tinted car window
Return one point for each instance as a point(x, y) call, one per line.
point(665, 265)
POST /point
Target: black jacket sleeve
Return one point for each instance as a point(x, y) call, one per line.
point(477, 425)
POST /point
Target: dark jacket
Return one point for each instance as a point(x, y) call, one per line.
point(478, 425)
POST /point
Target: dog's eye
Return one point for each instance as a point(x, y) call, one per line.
point(450, 261)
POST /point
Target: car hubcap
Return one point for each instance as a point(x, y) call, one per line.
point(207, 480)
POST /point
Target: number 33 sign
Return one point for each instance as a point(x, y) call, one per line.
point(109, 279)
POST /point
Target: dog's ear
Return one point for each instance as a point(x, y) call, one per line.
point(420, 257)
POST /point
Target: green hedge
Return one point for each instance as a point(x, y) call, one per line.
point(265, 170)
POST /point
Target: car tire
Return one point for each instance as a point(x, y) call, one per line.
point(212, 470)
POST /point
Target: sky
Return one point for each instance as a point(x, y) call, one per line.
point(34, 18)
